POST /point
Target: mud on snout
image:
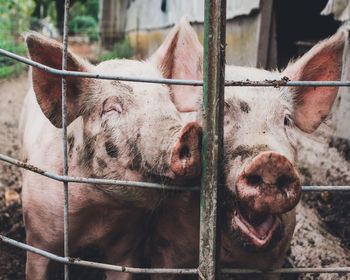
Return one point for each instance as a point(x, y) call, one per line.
point(266, 189)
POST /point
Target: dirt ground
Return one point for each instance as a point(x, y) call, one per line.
point(322, 236)
point(11, 99)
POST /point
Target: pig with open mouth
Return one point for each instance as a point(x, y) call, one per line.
point(262, 186)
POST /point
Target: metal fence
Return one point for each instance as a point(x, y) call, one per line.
point(213, 93)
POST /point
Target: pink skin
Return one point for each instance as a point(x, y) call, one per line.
point(117, 130)
point(262, 188)
point(269, 184)
point(267, 187)
point(185, 159)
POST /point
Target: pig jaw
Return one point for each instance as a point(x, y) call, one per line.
point(265, 189)
point(261, 236)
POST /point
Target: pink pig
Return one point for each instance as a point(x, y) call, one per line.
point(116, 130)
point(262, 186)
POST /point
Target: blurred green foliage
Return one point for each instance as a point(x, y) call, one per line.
point(18, 16)
point(120, 50)
point(84, 8)
point(84, 25)
point(14, 20)
point(84, 19)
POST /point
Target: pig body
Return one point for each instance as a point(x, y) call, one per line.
point(116, 130)
point(177, 233)
point(262, 187)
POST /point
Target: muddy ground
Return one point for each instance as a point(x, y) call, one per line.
point(322, 236)
point(11, 99)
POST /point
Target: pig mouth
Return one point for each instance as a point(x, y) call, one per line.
point(257, 229)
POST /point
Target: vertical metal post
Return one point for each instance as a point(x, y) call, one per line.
point(212, 148)
point(64, 135)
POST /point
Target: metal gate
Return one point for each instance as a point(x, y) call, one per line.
point(213, 95)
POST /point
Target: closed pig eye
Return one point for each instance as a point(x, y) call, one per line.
point(112, 104)
point(113, 107)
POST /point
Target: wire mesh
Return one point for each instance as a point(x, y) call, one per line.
point(65, 178)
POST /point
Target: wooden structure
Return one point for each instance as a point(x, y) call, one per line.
point(250, 28)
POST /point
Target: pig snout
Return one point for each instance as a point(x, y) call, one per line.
point(186, 155)
point(269, 185)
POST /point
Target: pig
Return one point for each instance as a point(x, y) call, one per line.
point(262, 185)
point(116, 130)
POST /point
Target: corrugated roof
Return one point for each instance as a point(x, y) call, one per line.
point(148, 14)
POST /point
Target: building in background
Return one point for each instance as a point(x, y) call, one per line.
point(340, 9)
point(259, 33)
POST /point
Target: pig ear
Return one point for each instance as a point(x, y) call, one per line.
point(322, 63)
point(181, 57)
point(47, 86)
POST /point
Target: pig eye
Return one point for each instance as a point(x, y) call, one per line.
point(287, 120)
point(111, 105)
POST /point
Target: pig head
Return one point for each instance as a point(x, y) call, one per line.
point(116, 130)
point(262, 186)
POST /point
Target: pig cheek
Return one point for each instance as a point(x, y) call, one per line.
point(93, 123)
point(227, 119)
point(232, 174)
point(292, 138)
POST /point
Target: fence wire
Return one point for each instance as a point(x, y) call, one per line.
point(283, 82)
point(65, 178)
point(122, 183)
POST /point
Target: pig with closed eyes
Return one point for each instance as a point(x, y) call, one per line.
point(116, 130)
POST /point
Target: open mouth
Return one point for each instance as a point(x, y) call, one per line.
point(259, 229)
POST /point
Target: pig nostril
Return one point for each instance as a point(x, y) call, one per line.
point(254, 180)
point(185, 154)
point(283, 181)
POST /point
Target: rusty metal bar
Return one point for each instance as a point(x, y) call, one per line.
point(134, 183)
point(215, 15)
point(99, 76)
point(64, 137)
point(287, 270)
point(284, 82)
point(325, 188)
point(60, 178)
point(134, 270)
point(77, 261)
point(212, 146)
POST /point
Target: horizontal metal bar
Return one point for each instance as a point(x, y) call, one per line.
point(287, 270)
point(77, 261)
point(93, 180)
point(286, 83)
point(247, 83)
point(325, 188)
point(133, 183)
point(99, 76)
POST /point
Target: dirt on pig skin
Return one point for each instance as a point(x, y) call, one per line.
point(321, 237)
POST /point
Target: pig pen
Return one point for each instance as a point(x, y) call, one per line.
point(322, 235)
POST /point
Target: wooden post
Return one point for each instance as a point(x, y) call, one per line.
point(212, 148)
point(112, 22)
